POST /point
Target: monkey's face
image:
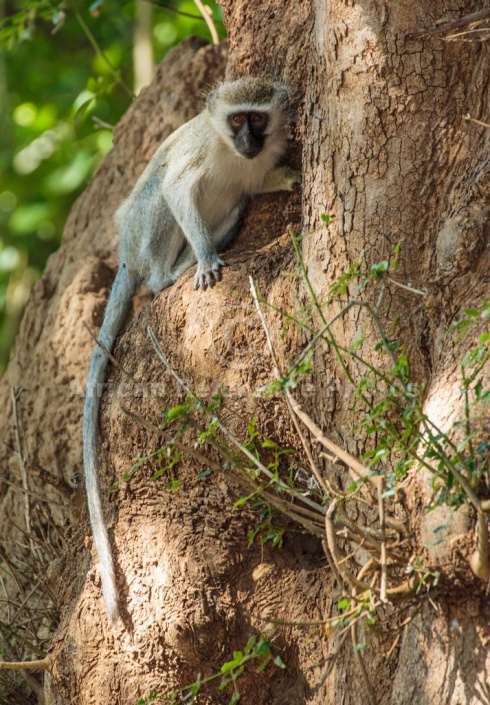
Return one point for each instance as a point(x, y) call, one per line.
point(249, 131)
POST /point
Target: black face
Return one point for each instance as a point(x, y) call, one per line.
point(249, 131)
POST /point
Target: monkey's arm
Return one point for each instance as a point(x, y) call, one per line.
point(282, 178)
point(183, 204)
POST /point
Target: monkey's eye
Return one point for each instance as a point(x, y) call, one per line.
point(258, 119)
point(237, 120)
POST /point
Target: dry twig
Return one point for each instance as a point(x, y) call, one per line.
point(23, 470)
point(40, 665)
point(279, 376)
point(475, 18)
point(204, 10)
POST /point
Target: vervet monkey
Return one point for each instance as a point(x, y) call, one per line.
point(185, 208)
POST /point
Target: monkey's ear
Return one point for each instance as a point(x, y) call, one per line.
point(283, 91)
point(214, 96)
point(282, 96)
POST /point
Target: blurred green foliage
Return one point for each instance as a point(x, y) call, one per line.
point(65, 80)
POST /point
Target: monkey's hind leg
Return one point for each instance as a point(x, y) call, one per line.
point(184, 262)
point(230, 227)
point(160, 281)
point(221, 236)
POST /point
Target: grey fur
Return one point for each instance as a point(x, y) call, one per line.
point(185, 208)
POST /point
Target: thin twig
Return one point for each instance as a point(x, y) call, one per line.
point(332, 659)
point(23, 470)
point(279, 376)
point(40, 665)
point(379, 480)
point(32, 493)
point(393, 646)
point(359, 540)
point(454, 24)
point(108, 353)
point(366, 532)
point(337, 557)
point(479, 561)
point(260, 466)
point(344, 575)
point(352, 463)
point(475, 121)
point(367, 568)
point(360, 663)
point(316, 623)
point(47, 477)
point(169, 8)
point(407, 287)
point(181, 447)
point(14, 573)
point(480, 32)
point(311, 520)
point(118, 365)
point(112, 69)
point(382, 527)
point(297, 513)
point(320, 335)
point(209, 21)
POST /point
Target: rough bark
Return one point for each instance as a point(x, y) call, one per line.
point(386, 150)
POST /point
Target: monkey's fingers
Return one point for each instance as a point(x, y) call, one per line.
point(208, 273)
point(293, 178)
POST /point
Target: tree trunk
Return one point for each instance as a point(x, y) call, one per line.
point(390, 157)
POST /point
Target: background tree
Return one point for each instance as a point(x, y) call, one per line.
point(399, 174)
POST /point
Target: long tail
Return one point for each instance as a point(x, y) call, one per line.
point(123, 289)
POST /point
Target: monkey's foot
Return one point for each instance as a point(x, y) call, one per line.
point(208, 272)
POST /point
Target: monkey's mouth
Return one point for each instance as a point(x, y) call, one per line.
point(250, 151)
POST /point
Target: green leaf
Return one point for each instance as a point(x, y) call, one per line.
point(176, 412)
point(172, 485)
point(250, 644)
point(84, 109)
point(263, 665)
point(228, 666)
point(279, 662)
point(264, 648)
point(204, 474)
point(243, 500)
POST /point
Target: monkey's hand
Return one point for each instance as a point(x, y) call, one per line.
point(208, 272)
point(281, 179)
point(290, 177)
